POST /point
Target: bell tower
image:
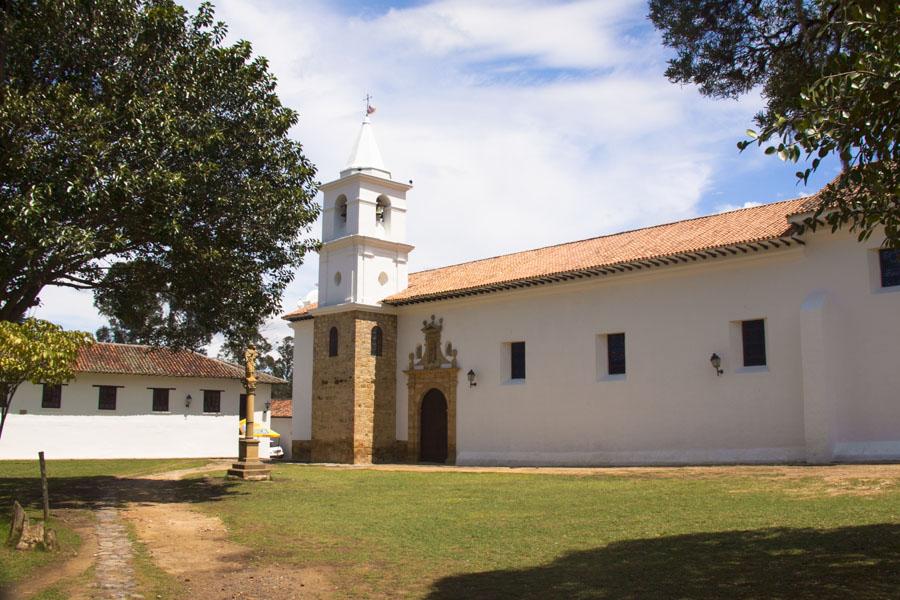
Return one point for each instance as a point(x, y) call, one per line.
point(364, 251)
point(363, 260)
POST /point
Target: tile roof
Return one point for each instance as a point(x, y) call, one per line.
point(727, 229)
point(282, 407)
point(743, 226)
point(135, 359)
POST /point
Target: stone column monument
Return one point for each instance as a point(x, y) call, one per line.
point(249, 466)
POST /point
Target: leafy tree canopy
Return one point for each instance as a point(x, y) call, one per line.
point(35, 351)
point(829, 71)
point(144, 159)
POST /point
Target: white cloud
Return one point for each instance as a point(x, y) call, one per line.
point(522, 123)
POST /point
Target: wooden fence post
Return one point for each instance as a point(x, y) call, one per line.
point(44, 488)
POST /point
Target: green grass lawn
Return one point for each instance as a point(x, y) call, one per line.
point(68, 482)
point(744, 534)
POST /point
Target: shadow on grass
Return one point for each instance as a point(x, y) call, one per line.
point(91, 492)
point(850, 562)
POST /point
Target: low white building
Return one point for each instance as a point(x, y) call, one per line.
point(132, 401)
point(726, 338)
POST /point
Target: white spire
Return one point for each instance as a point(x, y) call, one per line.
point(365, 157)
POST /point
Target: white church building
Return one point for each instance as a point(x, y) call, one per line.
point(728, 338)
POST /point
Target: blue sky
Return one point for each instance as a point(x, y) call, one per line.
point(522, 123)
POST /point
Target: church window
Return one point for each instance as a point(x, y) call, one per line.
point(377, 341)
point(52, 395)
point(333, 342)
point(517, 360)
point(753, 335)
point(615, 353)
point(889, 263)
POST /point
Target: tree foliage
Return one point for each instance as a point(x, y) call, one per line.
point(36, 351)
point(144, 159)
point(829, 71)
point(277, 360)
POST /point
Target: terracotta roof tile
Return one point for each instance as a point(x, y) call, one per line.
point(135, 359)
point(282, 407)
point(742, 226)
point(301, 313)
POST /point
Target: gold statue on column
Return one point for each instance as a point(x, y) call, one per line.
point(248, 465)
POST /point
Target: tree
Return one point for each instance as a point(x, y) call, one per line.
point(284, 367)
point(829, 71)
point(35, 351)
point(115, 332)
point(145, 160)
point(233, 350)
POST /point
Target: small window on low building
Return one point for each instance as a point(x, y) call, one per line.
point(333, 342)
point(377, 341)
point(889, 265)
point(212, 401)
point(106, 397)
point(160, 399)
point(753, 334)
point(615, 353)
point(52, 395)
point(517, 360)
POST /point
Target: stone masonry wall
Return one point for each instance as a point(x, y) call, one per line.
point(354, 393)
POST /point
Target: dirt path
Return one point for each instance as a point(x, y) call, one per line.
point(194, 548)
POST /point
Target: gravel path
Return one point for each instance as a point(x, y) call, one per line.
point(114, 571)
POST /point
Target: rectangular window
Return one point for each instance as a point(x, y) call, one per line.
point(753, 335)
point(615, 353)
point(889, 264)
point(52, 396)
point(212, 401)
point(517, 360)
point(107, 397)
point(160, 399)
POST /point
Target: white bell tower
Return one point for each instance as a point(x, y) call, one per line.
point(363, 256)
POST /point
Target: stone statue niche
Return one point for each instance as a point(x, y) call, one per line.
point(433, 357)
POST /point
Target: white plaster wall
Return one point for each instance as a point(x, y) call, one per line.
point(78, 429)
point(283, 426)
point(302, 391)
point(671, 407)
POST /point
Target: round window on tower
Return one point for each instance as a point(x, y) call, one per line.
point(337, 278)
point(382, 278)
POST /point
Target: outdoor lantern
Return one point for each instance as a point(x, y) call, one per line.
point(187, 401)
point(471, 376)
point(716, 362)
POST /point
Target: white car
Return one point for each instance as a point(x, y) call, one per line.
point(275, 450)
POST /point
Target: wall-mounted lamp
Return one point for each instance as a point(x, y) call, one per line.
point(268, 406)
point(187, 401)
point(471, 376)
point(716, 362)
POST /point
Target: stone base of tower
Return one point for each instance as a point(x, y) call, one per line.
point(354, 388)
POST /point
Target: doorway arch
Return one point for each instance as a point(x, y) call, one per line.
point(433, 427)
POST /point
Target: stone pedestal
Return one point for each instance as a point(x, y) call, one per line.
point(248, 466)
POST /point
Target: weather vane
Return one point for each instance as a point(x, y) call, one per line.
point(369, 108)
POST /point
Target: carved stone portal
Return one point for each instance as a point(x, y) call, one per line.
point(430, 368)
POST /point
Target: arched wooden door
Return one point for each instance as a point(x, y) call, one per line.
point(433, 430)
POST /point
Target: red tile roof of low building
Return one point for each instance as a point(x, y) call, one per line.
point(136, 359)
point(282, 407)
